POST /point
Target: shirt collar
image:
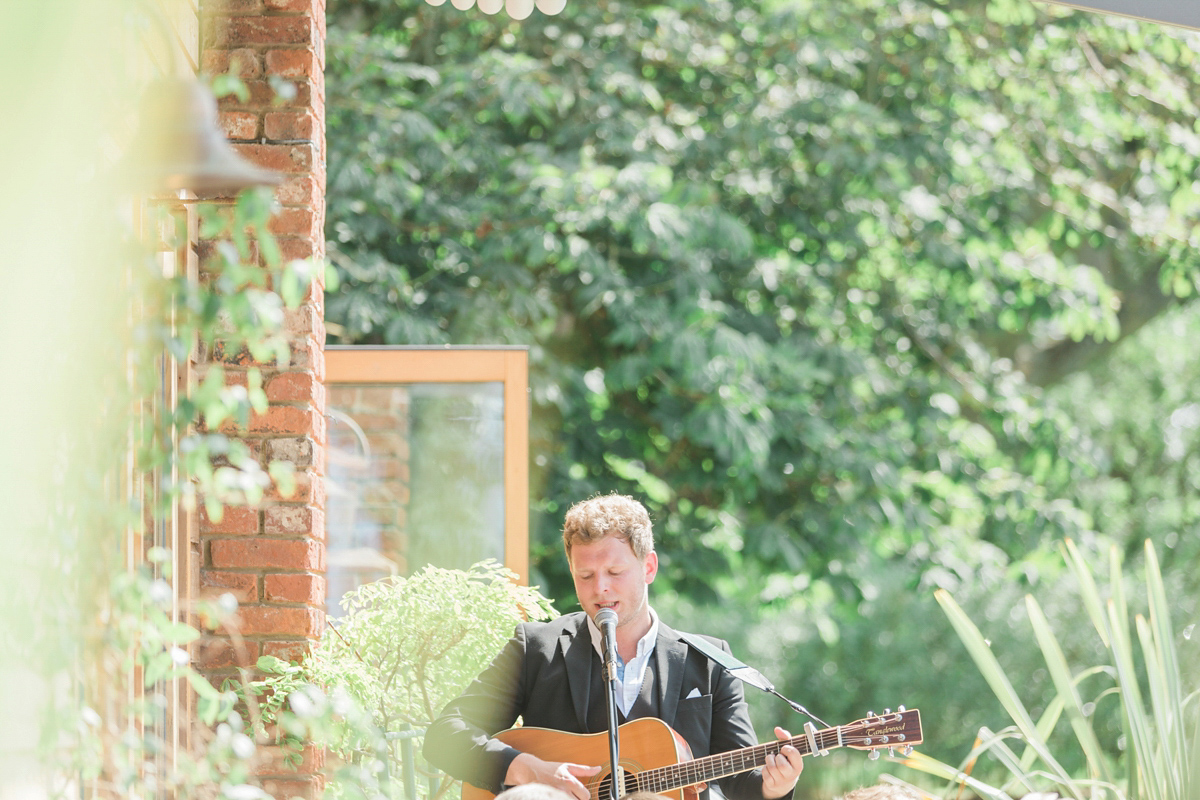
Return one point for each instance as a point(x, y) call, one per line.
point(644, 644)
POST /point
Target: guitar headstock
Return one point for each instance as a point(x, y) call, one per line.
point(891, 729)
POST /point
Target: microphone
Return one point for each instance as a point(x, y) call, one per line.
point(606, 621)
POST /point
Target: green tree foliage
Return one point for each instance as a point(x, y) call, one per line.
point(1144, 409)
point(808, 277)
point(404, 648)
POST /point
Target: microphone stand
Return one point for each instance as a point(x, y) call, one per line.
point(607, 620)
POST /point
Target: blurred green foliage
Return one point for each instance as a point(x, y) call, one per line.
point(403, 649)
point(110, 636)
point(95, 455)
point(864, 299)
point(1137, 681)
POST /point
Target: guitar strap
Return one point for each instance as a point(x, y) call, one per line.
point(742, 672)
point(736, 668)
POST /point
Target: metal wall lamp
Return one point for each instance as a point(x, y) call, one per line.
point(179, 145)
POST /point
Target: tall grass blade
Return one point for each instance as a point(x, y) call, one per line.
point(1168, 760)
point(1045, 727)
point(993, 673)
point(994, 743)
point(1068, 693)
point(1140, 735)
point(1160, 758)
point(1174, 736)
point(1116, 584)
point(1192, 790)
point(953, 776)
point(1102, 621)
point(1118, 613)
point(1087, 589)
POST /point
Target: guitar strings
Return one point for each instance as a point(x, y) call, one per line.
point(688, 773)
point(603, 787)
point(700, 770)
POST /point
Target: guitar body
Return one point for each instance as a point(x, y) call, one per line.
point(642, 744)
point(656, 759)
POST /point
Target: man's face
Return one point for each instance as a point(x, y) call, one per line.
point(608, 575)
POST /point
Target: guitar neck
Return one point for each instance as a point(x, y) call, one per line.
point(721, 765)
point(654, 742)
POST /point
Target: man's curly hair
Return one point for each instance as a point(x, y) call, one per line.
point(609, 515)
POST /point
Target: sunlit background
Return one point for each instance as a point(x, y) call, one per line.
point(65, 87)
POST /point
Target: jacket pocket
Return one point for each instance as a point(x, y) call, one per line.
point(693, 721)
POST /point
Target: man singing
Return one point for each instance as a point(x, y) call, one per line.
point(550, 674)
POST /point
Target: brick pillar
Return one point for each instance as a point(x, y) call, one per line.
point(273, 558)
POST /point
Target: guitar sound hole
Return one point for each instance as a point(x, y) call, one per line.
point(604, 787)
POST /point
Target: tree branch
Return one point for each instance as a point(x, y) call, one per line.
point(1141, 302)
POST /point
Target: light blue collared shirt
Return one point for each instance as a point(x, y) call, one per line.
point(631, 674)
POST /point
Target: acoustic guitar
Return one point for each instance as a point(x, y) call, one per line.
point(654, 758)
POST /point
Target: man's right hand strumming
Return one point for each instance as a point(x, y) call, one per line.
point(528, 768)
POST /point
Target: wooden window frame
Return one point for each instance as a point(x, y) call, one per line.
point(508, 365)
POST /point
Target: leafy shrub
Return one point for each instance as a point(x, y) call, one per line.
point(405, 647)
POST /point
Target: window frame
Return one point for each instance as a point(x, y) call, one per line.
point(506, 364)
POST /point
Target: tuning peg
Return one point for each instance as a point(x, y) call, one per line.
point(892, 752)
point(906, 750)
point(873, 755)
point(887, 711)
point(870, 713)
point(901, 709)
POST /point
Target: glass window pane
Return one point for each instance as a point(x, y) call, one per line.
point(415, 476)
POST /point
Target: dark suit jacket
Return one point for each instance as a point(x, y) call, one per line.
point(550, 675)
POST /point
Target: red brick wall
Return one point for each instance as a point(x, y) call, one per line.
point(281, 41)
point(272, 558)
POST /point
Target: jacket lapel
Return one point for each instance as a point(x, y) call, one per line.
point(670, 653)
point(577, 655)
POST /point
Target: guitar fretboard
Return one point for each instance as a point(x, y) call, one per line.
point(709, 768)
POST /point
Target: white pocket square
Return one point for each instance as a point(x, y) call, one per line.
point(692, 693)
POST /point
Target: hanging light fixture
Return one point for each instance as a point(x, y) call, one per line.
point(180, 146)
point(517, 9)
